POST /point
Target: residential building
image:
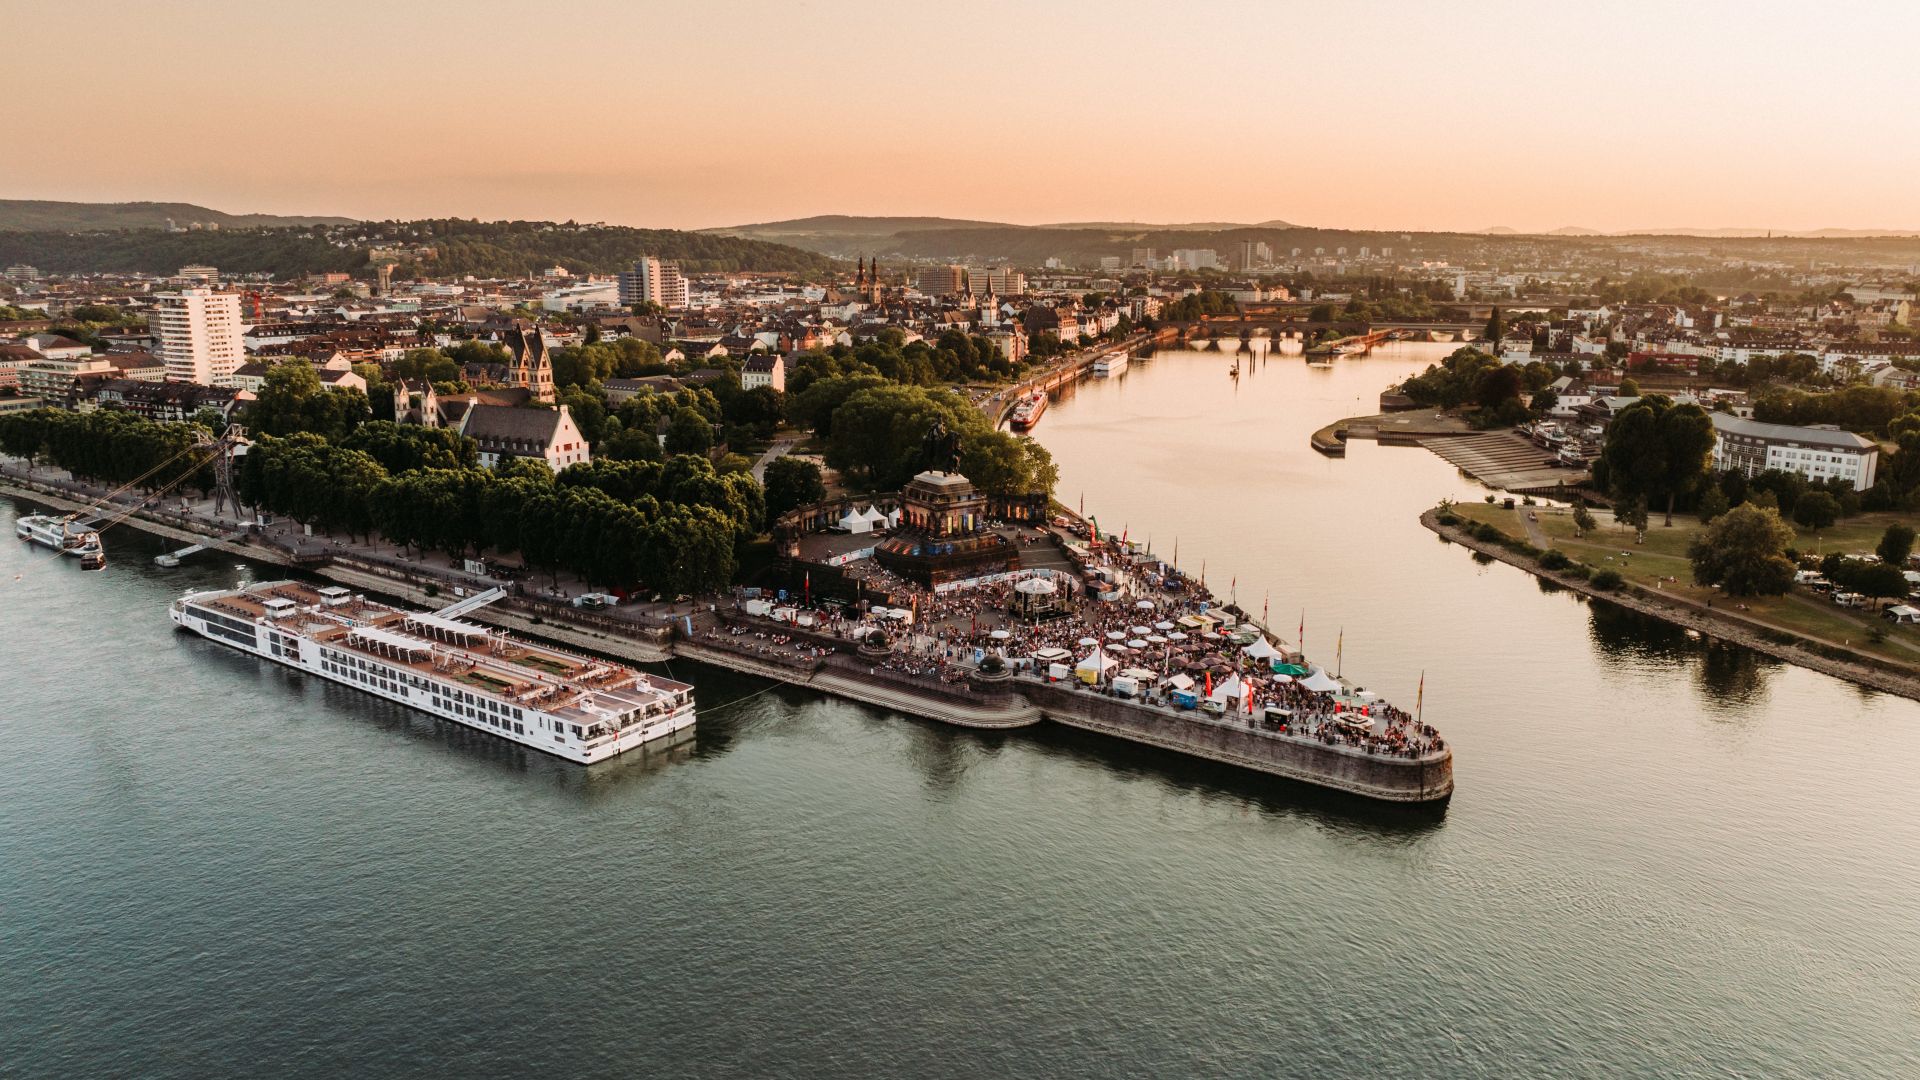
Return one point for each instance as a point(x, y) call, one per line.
point(171, 402)
point(941, 280)
point(500, 432)
point(58, 347)
point(198, 334)
point(198, 275)
point(654, 281)
point(762, 369)
point(1820, 452)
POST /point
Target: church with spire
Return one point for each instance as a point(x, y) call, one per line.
point(528, 365)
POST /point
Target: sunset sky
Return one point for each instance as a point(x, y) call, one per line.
point(1416, 115)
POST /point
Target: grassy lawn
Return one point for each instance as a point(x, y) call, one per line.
point(1661, 563)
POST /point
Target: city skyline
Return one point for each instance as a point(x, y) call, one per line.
point(1372, 116)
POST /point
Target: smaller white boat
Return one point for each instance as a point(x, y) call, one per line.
point(66, 536)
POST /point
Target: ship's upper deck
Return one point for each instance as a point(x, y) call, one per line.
point(580, 689)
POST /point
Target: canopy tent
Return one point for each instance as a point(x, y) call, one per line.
point(1052, 655)
point(1231, 688)
point(1320, 682)
point(1035, 586)
point(1180, 682)
point(1142, 674)
point(872, 516)
point(856, 522)
point(893, 517)
point(1262, 650)
point(1097, 660)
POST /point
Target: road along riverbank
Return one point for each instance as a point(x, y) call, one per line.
point(1838, 661)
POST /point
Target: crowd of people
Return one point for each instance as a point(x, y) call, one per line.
point(1149, 605)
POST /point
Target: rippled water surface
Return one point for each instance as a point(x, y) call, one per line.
point(1664, 858)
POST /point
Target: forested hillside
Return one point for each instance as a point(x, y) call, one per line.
point(438, 248)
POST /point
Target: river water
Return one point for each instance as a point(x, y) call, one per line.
point(1664, 858)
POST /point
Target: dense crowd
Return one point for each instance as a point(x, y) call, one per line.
point(949, 630)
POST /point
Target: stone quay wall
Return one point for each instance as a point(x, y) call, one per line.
point(1373, 776)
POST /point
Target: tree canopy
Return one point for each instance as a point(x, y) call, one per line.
point(1744, 551)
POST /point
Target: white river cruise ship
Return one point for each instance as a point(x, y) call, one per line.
point(575, 707)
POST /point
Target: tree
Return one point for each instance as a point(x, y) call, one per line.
point(1896, 544)
point(1629, 388)
point(292, 400)
point(1583, 522)
point(1657, 450)
point(1744, 552)
point(1496, 386)
point(1712, 504)
point(1544, 402)
point(1816, 510)
point(1496, 328)
point(792, 482)
point(1879, 580)
point(689, 432)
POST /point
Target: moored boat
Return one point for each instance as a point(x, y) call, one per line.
point(64, 535)
point(575, 707)
point(1027, 412)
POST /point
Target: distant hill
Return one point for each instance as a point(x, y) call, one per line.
point(845, 236)
point(1712, 234)
point(42, 214)
point(444, 248)
point(1194, 226)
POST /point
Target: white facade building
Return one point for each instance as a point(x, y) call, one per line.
point(1817, 453)
point(654, 281)
point(199, 334)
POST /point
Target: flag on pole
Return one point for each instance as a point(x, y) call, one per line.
point(1302, 640)
point(1265, 599)
point(1420, 696)
point(1339, 644)
point(1209, 684)
point(1233, 589)
point(806, 587)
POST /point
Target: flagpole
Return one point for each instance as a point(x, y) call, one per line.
point(1339, 646)
point(1420, 699)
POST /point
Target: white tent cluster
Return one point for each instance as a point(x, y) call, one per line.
point(858, 520)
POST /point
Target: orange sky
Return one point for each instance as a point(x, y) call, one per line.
point(1415, 115)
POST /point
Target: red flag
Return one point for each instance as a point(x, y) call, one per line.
point(1209, 684)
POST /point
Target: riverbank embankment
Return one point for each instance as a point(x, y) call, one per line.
point(832, 667)
point(1404, 428)
point(1829, 659)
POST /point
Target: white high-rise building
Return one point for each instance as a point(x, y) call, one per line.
point(198, 335)
point(654, 281)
